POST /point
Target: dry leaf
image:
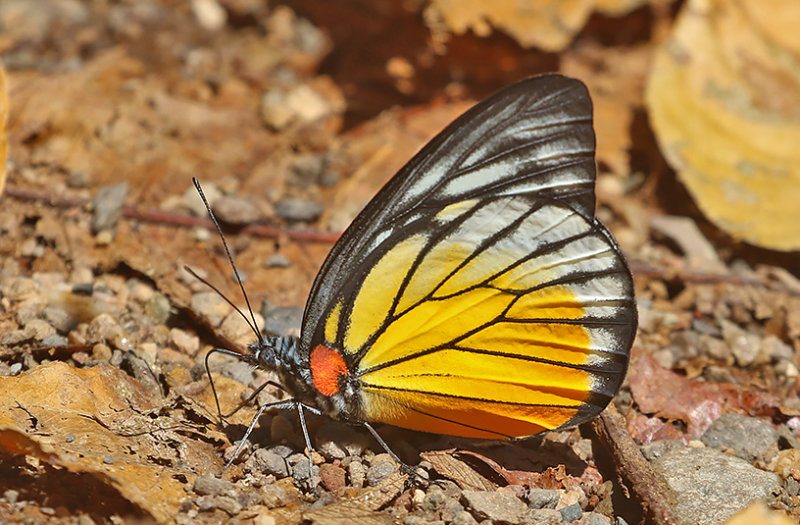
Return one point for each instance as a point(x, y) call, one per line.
point(92, 421)
point(724, 102)
point(549, 25)
point(757, 513)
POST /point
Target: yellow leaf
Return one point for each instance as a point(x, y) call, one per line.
point(724, 102)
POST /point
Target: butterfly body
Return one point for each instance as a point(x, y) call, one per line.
point(476, 295)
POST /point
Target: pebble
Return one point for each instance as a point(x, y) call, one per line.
point(744, 346)
point(236, 210)
point(593, 518)
point(300, 471)
point(11, 495)
point(101, 352)
point(357, 473)
point(381, 468)
point(499, 506)
point(333, 477)
point(224, 503)
point(104, 328)
point(274, 495)
point(262, 519)
point(655, 449)
point(283, 320)
point(193, 202)
point(235, 328)
point(209, 14)
point(748, 437)
point(59, 319)
point(107, 206)
point(298, 209)
point(211, 307)
point(337, 440)
point(276, 260)
point(39, 328)
point(571, 513)
point(184, 341)
point(543, 517)
point(158, 308)
point(307, 169)
point(268, 462)
point(463, 518)
point(710, 486)
point(19, 288)
point(211, 486)
point(543, 498)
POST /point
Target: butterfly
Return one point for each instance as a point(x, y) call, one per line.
point(477, 294)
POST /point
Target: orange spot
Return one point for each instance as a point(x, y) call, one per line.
point(327, 366)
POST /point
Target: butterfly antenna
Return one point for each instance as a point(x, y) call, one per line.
point(253, 325)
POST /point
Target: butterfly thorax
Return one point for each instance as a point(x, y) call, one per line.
point(322, 380)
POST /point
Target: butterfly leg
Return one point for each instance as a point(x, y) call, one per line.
point(414, 473)
point(288, 403)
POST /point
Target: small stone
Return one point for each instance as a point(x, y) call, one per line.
point(593, 518)
point(108, 460)
point(50, 511)
point(59, 319)
point(501, 505)
point(433, 501)
point(284, 320)
point(224, 503)
point(543, 517)
point(211, 486)
point(262, 519)
point(184, 341)
point(104, 237)
point(11, 495)
point(748, 437)
point(357, 473)
point(77, 179)
point(274, 496)
point(104, 328)
point(40, 329)
point(298, 209)
point(571, 513)
point(101, 352)
point(656, 449)
point(211, 307)
point(337, 440)
point(235, 328)
point(744, 346)
point(332, 477)
point(382, 467)
point(158, 308)
point(300, 471)
point(236, 210)
point(274, 111)
point(107, 206)
point(209, 14)
point(543, 498)
point(268, 462)
point(19, 288)
point(463, 518)
point(276, 260)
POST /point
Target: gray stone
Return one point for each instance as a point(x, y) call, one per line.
point(543, 498)
point(656, 449)
point(571, 513)
point(107, 206)
point(298, 209)
point(709, 486)
point(593, 518)
point(543, 517)
point(380, 470)
point(499, 506)
point(283, 320)
point(211, 486)
point(748, 437)
point(268, 462)
point(236, 210)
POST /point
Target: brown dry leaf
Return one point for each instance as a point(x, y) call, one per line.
point(362, 509)
point(384, 145)
point(757, 513)
point(697, 403)
point(93, 421)
point(724, 102)
point(3, 132)
point(445, 464)
point(549, 25)
point(616, 79)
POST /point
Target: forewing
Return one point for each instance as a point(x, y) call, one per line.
point(533, 138)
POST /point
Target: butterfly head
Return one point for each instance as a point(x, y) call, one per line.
point(280, 354)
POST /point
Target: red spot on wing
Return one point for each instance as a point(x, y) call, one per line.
point(327, 366)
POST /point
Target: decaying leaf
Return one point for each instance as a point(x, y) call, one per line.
point(724, 102)
point(92, 421)
point(549, 25)
point(697, 403)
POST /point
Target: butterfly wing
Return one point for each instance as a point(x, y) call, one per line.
point(476, 295)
